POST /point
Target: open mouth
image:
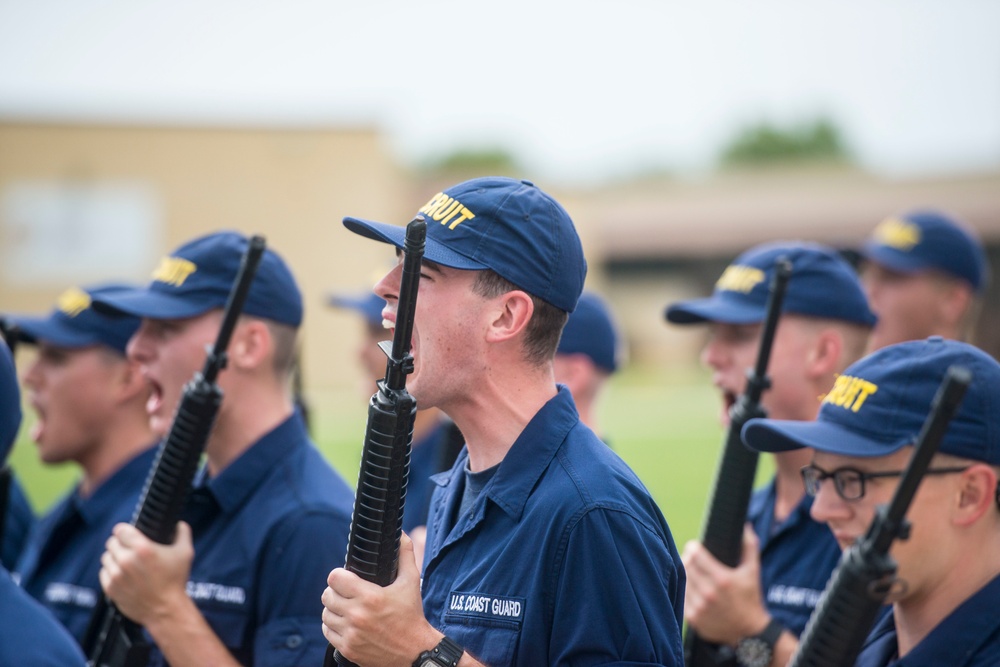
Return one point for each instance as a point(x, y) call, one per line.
point(155, 400)
point(39, 428)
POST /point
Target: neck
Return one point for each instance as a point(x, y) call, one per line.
point(493, 417)
point(123, 440)
point(243, 419)
point(973, 567)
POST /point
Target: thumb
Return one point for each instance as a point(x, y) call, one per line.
point(751, 547)
point(183, 534)
point(407, 559)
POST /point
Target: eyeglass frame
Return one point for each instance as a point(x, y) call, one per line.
point(863, 476)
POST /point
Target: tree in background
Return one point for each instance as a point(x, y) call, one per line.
point(765, 144)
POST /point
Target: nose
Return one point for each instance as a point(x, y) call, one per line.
point(139, 347)
point(828, 505)
point(713, 355)
point(388, 286)
point(33, 376)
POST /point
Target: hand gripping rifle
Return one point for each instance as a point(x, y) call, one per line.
point(114, 640)
point(373, 546)
point(867, 573)
point(722, 533)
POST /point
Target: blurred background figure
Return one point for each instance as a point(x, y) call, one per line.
point(16, 515)
point(590, 351)
point(28, 634)
point(436, 439)
point(924, 273)
point(90, 403)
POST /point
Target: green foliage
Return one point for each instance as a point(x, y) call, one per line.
point(764, 143)
point(493, 160)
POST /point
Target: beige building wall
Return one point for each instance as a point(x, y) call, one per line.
point(293, 186)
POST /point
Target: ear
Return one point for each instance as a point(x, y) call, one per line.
point(251, 345)
point(977, 494)
point(825, 354)
point(511, 317)
point(955, 302)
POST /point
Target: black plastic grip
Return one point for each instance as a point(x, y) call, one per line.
point(169, 482)
point(373, 548)
point(841, 622)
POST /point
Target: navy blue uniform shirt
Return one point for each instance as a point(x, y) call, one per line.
point(63, 556)
point(18, 522)
point(968, 637)
point(564, 558)
point(28, 633)
point(797, 558)
point(267, 531)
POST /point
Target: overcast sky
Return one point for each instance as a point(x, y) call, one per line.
point(580, 90)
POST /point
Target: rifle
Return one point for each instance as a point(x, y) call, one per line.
point(722, 533)
point(376, 525)
point(114, 640)
point(866, 573)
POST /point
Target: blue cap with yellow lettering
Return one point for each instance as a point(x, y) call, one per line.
point(590, 331)
point(822, 285)
point(198, 276)
point(10, 403)
point(502, 224)
point(879, 404)
point(74, 323)
point(926, 240)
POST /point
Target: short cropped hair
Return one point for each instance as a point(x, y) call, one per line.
point(546, 324)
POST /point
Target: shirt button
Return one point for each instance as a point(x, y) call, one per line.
point(293, 641)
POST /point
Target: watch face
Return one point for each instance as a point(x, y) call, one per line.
point(753, 652)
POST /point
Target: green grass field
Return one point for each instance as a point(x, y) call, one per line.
point(666, 428)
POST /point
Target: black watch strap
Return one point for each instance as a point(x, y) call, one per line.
point(446, 654)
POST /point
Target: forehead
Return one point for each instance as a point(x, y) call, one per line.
point(829, 461)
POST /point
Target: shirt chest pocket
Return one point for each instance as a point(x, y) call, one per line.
point(488, 626)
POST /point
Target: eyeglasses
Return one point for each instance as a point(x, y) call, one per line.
point(850, 482)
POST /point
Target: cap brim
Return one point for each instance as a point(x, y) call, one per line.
point(776, 435)
point(149, 304)
point(33, 329)
point(434, 250)
point(713, 309)
point(893, 259)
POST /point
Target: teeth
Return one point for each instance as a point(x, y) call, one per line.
point(388, 324)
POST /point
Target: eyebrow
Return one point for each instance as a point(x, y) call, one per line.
point(432, 266)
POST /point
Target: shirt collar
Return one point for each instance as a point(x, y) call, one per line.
point(239, 479)
point(109, 495)
point(761, 513)
point(532, 453)
point(964, 631)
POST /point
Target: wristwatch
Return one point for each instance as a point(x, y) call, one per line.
point(758, 650)
point(446, 654)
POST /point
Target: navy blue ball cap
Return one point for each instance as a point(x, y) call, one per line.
point(198, 276)
point(75, 323)
point(369, 305)
point(822, 285)
point(503, 224)
point(10, 403)
point(879, 404)
point(590, 330)
point(924, 240)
